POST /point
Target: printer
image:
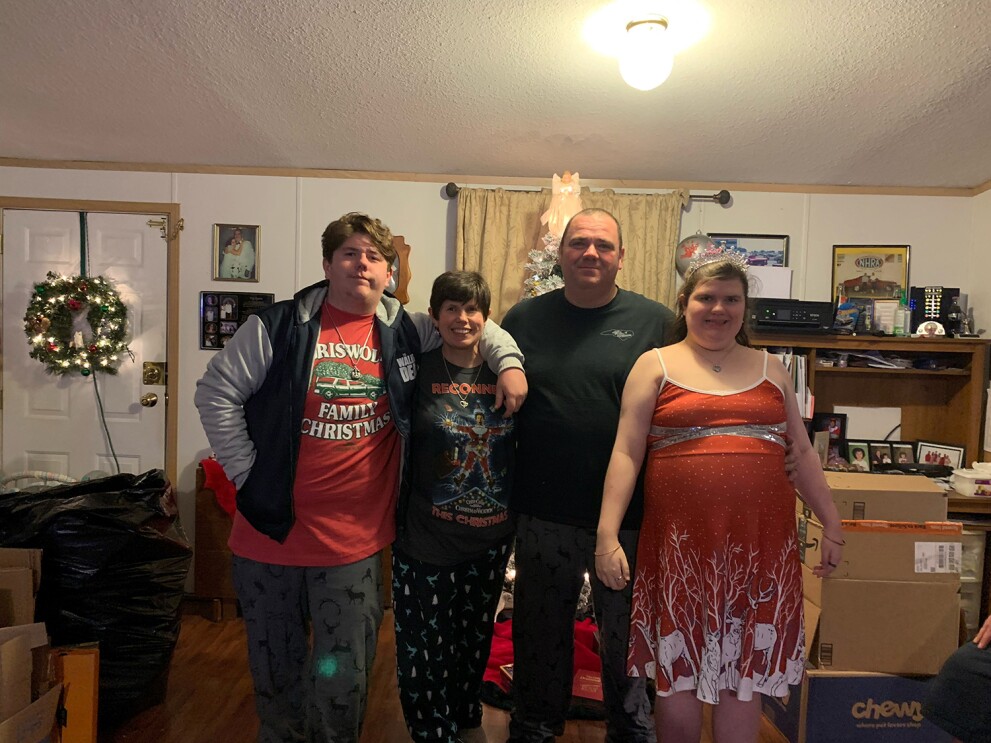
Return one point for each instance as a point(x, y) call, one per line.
point(769, 314)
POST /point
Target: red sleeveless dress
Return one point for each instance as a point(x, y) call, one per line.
point(717, 596)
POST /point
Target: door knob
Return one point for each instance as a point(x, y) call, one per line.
point(149, 399)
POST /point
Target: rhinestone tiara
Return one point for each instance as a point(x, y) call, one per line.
point(714, 254)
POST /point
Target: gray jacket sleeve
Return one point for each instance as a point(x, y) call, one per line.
point(233, 375)
point(496, 346)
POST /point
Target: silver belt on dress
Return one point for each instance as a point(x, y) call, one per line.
point(669, 436)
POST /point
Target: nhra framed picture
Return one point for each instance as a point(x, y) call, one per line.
point(869, 272)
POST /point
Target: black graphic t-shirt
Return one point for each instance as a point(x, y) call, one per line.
point(461, 465)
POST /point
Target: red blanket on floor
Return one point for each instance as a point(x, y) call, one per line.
point(586, 650)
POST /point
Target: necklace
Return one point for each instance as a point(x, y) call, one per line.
point(355, 372)
point(716, 366)
point(456, 388)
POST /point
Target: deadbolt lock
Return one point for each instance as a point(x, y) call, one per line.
point(153, 372)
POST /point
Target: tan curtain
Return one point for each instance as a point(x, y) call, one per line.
point(496, 230)
point(651, 224)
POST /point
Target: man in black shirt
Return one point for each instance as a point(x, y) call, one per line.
point(580, 343)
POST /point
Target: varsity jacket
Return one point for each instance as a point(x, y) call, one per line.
point(252, 395)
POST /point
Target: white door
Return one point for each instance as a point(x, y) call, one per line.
point(59, 423)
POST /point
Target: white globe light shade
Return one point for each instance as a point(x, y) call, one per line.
point(647, 59)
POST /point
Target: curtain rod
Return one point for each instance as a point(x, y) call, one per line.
point(722, 197)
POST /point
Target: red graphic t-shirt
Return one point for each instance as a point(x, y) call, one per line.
point(347, 475)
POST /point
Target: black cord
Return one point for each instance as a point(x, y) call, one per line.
point(888, 434)
point(103, 420)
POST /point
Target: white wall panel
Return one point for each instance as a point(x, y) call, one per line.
point(937, 228)
point(105, 185)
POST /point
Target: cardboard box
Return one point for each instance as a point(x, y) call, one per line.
point(890, 550)
point(832, 707)
point(16, 596)
point(24, 680)
point(902, 627)
point(35, 723)
point(861, 495)
point(23, 558)
point(78, 669)
point(20, 578)
point(15, 676)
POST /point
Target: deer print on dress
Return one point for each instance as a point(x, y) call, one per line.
point(709, 631)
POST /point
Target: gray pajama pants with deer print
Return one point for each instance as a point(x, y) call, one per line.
point(313, 692)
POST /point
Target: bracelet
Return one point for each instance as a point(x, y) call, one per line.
point(828, 538)
point(603, 554)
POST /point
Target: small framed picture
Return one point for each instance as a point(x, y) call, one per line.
point(903, 453)
point(857, 454)
point(221, 314)
point(835, 423)
point(945, 454)
point(759, 250)
point(235, 252)
point(880, 454)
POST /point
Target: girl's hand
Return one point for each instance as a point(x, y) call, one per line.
point(612, 568)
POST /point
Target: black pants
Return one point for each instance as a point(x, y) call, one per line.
point(551, 562)
point(444, 621)
point(959, 698)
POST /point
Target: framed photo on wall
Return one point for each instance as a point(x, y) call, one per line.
point(235, 252)
point(869, 272)
point(760, 250)
point(222, 313)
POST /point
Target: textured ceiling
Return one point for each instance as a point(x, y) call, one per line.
point(832, 92)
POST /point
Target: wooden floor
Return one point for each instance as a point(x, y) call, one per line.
point(209, 697)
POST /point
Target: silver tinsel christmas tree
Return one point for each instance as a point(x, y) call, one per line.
point(543, 273)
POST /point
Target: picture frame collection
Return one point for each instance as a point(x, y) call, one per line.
point(869, 455)
point(223, 312)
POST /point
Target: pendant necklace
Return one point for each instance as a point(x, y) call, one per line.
point(716, 367)
point(355, 371)
point(456, 387)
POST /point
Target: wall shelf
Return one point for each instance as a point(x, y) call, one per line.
point(944, 405)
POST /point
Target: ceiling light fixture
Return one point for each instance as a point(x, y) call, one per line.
point(644, 35)
point(647, 58)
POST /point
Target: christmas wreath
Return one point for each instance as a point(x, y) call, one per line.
point(48, 324)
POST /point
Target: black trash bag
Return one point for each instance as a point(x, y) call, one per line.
point(113, 571)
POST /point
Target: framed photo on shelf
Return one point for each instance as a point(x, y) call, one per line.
point(222, 313)
point(928, 452)
point(235, 252)
point(834, 423)
point(760, 250)
point(903, 454)
point(880, 454)
point(869, 272)
point(857, 454)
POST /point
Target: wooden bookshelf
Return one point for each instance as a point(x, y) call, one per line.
point(942, 405)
